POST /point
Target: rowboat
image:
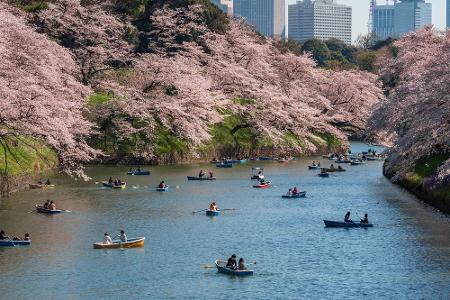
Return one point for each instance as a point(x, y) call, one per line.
point(262, 186)
point(131, 243)
point(345, 161)
point(164, 189)
point(313, 167)
point(236, 161)
point(267, 158)
point(374, 158)
point(212, 213)
point(357, 163)
point(113, 186)
point(138, 173)
point(12, 243)
point(200, 178)
point(222, 165)
point(323, 174)
point(221, 267)
point(43, 210)
point(335, 169)
point(41, 186)
point(298, 195)
point(346, 224)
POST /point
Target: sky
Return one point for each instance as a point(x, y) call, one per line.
point(361, 13)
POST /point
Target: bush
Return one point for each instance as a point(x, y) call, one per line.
point(31, 6)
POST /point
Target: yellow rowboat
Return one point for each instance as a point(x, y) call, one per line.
point(131, 243)
point(41, 186)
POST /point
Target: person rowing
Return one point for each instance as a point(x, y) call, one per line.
point(241, 265)
point(52, 206)
point(110, 180)
point(231, 263)
point(289, 193)
point(46, 204)
point(366, 219)
point(347, 217)
point(262, 181)
point(201, 173)
point(211, 174)
point(213, 207)
point(295, 191)
point(162, 185)
point(314, 163)
point(123, 236)
point(3, 236)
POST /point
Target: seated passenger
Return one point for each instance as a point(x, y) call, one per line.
point(201, 174)
point(162, 185)
point(366, 219)
point(26, 237)
point(52, 206)
point(295, 191)
point(107, 239)
point(347, 217)
point(232, 264)
point(242, 264)
point(123, 236)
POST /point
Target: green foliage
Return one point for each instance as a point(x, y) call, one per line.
point(292, 140)
point(99, 99)
point(25, 156)
point(215, 18)
point(428, 165)
point(131, 7)
point(165, 142)
point(319, 51)
point(243, 101)
point(366, 61)
point(289, 46)
point(30, 5)
point(331, 140)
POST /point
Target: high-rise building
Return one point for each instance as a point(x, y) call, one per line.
point(383, 21)
point(320, 19)
point(402, 17)
point(448, 13)
point(225, 5)
point(268, 16)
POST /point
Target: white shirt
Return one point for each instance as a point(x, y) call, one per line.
point(123, 238)
point(107, 239)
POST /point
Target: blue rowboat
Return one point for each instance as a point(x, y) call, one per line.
point(227, 165)
point(212, 213)
point(200, 178)
point(313, 167)
point(346, 224)
point(221, 267)
point(43, 210)
point(324, 174)
point(164, 189)
point(138, 173)
point(357, 163)
point(298, 195)
point(236, 161)
point(267, 158)
point(113, 186)
point(12, 243)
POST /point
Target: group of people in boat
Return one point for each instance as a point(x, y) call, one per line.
point(365, 220)
point(314, 164)
point(115, 182)
point(3, 236)
point(263, 181)
point(135, 170)
point(50, 205)
point(234, 265)
point(107, 240)
point(293, 192)
point(202, 174)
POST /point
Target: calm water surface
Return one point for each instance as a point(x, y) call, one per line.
point(406, 254)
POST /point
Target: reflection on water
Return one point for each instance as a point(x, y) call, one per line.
point(406, 253)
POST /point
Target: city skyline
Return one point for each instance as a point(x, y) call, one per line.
point(361, 14)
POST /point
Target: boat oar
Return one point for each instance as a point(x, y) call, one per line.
point(64, 210)
point(227, 209)
point(194, 212)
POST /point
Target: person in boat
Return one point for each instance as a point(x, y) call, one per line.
point(26, 237)
point(323, 171)
point(332, 167)
point(52, 206)
point(110, 180)
point(295, 191)
point(241, 265)
point(339, 168)
point(366, 219)
point(3, 235)
point(232, 263)
point(318, 163)
point(314, 163)
point(131, 170)
point(201, 173)
point(116, 182)
point(347, 217)
point(46, 204)
point(262, 181)
point(48, 182)
point(211, 174)
point(107, 239)
point(138, 169)
point(289, 193)
point(162, 185)
point(123, 236)
point(119, 182)
point(213, 207)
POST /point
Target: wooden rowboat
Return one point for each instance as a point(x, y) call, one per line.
point(200, 178)
point(346, 224)
point(262, 186)
point(131, 243)
point(43, 210)
point(221, 267)
point(298, 195)
point(12, 243)
point(41, 186)
point(212, 213)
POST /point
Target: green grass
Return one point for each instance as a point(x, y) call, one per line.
point(292, 140)
point(26, 156)
point(331, 141)
point(32, 7)
point(428, 165)
point(168, 143)
point(223, 137)
point(243, 101)
point(99, 99)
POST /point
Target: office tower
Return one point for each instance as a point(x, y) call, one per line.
point(402, 17)
point(225, 5)
point(320, 19)
point(448, 13)
point(268, 16)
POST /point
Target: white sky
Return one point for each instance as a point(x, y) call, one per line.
point(361, 13)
